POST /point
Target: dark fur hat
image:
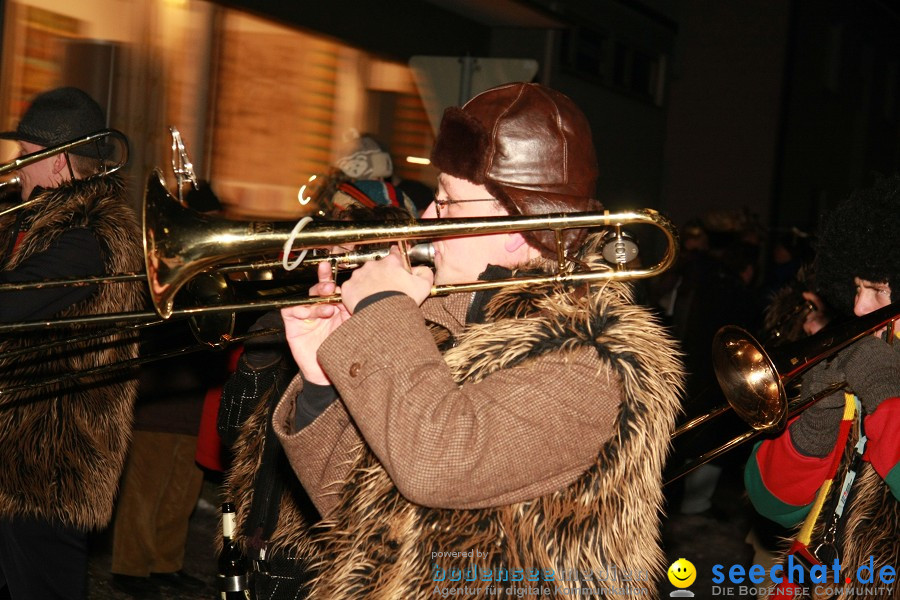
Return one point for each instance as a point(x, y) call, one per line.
point(461, 148)
point(859, 239)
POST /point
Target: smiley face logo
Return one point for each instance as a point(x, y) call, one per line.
point(682, 573)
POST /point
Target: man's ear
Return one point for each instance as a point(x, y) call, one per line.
point(514, 241)
point(59, 162)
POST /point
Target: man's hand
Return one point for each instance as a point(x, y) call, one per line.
point(815, 432)
point(870, 367)
point(387, 275)
point(872, 370)
point(306, 327)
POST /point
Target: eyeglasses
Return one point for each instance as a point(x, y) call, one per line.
point(446, 202)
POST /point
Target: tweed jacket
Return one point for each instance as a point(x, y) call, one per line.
point(62, 446)
point(535, 443)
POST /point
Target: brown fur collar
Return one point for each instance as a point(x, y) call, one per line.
point(63, 445)
point(379, 545)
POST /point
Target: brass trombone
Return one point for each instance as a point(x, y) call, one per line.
point(757, 383)
point(180, 243)
point(182, 246)
point(92, 138)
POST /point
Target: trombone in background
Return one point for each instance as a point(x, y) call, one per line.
point(92, 138)
point(758, 383)
point(755, 381)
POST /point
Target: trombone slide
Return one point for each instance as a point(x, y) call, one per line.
point(755, 381)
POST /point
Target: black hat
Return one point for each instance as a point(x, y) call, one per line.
point(59, 116)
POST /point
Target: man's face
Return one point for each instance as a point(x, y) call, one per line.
point(44, 173)
point(870, 296)
point(463, 259)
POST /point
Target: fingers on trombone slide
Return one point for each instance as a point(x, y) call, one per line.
point(326, 285)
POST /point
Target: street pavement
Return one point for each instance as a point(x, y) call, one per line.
point(199, 558)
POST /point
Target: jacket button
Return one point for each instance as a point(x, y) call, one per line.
point(354, 369)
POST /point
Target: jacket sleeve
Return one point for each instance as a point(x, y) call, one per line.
point(782, 482)
point(319, 453)
point(517, 434)
point(883, 447)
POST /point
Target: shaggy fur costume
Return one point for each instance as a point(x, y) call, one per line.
point(604, 525)
point(873, 509)
point(63, 445)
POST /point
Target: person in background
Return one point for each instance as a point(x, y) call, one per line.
point(365, 177)
point(529, 431)
point(161, 482)
point(62, 446)
point(370, 163)
point(274, 513)
point(856, 271)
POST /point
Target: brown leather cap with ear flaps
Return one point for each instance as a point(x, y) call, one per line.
point(531, 147)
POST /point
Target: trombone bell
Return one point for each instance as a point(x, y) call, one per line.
point(748, 378)
point(754, 380)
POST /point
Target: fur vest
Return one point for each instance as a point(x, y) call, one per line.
point(63, 445)
point(600, 532)
point(268, 495)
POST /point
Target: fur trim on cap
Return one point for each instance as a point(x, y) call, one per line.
point(461, 148)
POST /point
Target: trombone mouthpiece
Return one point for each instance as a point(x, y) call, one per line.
point(422, 254)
